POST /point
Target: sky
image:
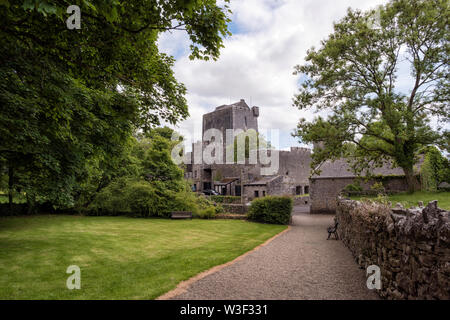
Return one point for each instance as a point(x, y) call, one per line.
point(269, 38)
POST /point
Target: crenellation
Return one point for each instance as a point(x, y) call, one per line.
point(291, 178)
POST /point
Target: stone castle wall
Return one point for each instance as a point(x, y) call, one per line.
point(324, 191)
point(294, 165)
point(411, 246)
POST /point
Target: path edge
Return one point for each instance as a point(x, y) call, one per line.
point(184, 285)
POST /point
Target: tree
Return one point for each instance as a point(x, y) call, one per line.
point(354, 77)
point(69, 97)
point(435, 169)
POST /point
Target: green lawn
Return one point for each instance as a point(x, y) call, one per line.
point(408, 200)
point(119, 257)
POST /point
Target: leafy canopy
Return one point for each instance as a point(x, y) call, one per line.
point(355, 78)
point(72, 98)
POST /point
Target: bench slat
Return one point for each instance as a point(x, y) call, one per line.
point(181, 215)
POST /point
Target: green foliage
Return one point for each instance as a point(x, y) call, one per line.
point(353, 77)
point(71, 99)
point(435, 169)
point(271, 209)
point(208, 213)
point(412, 199)
point(141, 198)
point(353, 187)
point(301, 196)
point(154, 189)
point(226, 199)
point(218, 176)
point(378, 188)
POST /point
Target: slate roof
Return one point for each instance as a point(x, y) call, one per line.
point(262, 181)
point(340, 169)
point(225, 181)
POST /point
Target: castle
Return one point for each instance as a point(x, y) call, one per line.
point(230, 176)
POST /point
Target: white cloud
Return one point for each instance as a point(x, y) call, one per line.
point(257, 63)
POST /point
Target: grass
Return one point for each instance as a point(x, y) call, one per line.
point(119, 257)
point(409, 200)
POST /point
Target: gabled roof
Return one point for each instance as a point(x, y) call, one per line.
point(262, 181)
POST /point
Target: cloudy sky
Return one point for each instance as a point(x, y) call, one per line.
point(269, 38)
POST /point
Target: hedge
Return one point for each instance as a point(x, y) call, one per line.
point(271, 209)
point(226, 199)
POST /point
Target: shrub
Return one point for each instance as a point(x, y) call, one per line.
point(378, 188)
point(353, 187)
point(271, 209)
point(208, 213)
point(142, 198)
point(205, 208)
point(226, 199)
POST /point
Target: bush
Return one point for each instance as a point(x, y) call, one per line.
point(205, 208)
point(271, 209)
point(141, 198)
point(226, 199)
point(378, 188)
point(353, 187)
point(208, 213)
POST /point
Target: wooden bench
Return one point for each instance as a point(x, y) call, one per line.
point(181, 215)
point(333, 230)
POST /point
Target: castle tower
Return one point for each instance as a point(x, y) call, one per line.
point(234, 116)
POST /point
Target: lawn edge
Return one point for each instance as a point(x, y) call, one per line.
point(184, 285)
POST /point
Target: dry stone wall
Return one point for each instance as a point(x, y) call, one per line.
point(411, 246)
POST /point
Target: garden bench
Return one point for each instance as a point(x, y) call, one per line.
point(333, 230)
point(181, 215)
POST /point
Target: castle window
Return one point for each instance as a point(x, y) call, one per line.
point(306, 189)
point(298, 190)
point(264, 193)
point(256, 193)
point(245, 119)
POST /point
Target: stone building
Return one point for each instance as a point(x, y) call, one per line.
point(336, 175)
point(290, 178)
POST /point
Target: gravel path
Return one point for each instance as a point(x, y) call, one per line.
point(299, 264)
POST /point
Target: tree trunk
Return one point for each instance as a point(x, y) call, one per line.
point(10, 187)
point(30, 203)
point(411, 179)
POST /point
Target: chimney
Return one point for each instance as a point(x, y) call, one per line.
point(255, 111)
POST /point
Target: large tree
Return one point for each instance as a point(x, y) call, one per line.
point(69, 95)
point(371, 110)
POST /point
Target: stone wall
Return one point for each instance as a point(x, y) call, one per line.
point(301, 201)
point(294, 165)
point(250, 191)
point(235, 208)
point(324, 191)
point(411, 246)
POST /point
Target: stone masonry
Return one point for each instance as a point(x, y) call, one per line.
point(411, 246)
point(291, 178)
